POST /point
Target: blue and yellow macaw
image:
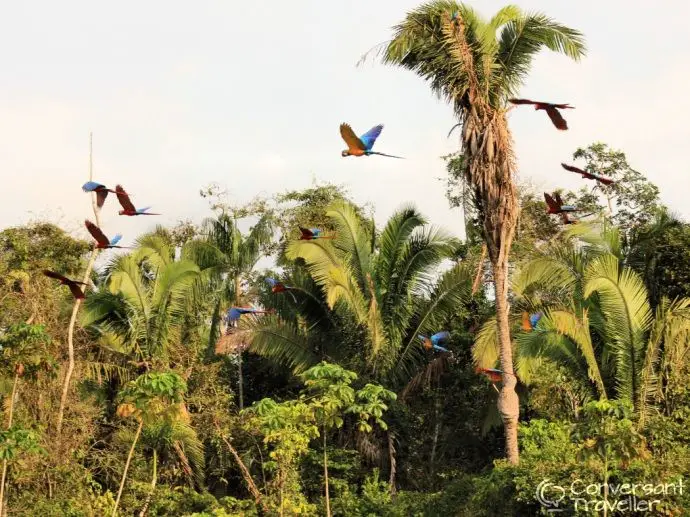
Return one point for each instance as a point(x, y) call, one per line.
point(435, 341)
point(361, 146)
point(529, 321)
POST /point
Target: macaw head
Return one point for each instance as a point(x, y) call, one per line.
point(345, 153)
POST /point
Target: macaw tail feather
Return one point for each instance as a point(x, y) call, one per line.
point(388, 155)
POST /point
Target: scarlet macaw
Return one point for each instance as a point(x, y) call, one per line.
point(361, 146)
point(494, 375)
point(102, 241)
point(529, 321)
point(434, 341)
point(127, 207)
point(309, 234)
point(100, 190)
point(72, 284)
point(588, 175)
point(554, 204)
point(551, 111)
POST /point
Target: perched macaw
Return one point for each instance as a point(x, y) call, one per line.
point(102, 242)
point(435, 341)
point(551, 111)
point(529, 321)
point(588, 175)
point(100, 190)
point(277, 286)
point(554, 204)
point(361, 146)
point(127, 207)
point(72, 284)
point(309, 234)
point(234, 313)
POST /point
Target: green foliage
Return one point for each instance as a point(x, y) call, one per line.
point(16, 441)
point(154, 396)
point(634, 197)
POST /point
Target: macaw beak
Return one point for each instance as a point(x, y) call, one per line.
point(345, 153)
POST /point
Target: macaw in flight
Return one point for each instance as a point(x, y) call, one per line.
point(554, 204)
point(310, 234)
point(529, 321)
point(494, 375)
point(588, 175)
point(102, 242)
point(280, 287)
point(435, 341)
point(361, 146)
point(72, 284)
point(551, 111)
point(234, 313)
point(100, 190)
point(127, 207)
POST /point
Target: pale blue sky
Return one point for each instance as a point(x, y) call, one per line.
point(250, 95)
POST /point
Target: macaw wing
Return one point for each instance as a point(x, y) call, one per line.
point(369, 138)
point(556, 118)
point(143, 210)
point(534, 319)
point(90, 186)
point(573, 169)
point(551, 202)
point(352, 141)
point(115, 239)
point(558, 199)
point(124, 200)
point(76, 291)
point(100, 197)
point(96, 233)
point(315, 232)
point(521, 101)
point(233, 314)
point(53, 274)
point(306, 233)
point(440, 337)
point(272, 282)
point(441, 349)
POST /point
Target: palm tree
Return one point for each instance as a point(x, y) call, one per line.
point(361, 301)
point(373, 301)
point(476, 65)
point(231, 257)
point(141, 312)
point(598, 323)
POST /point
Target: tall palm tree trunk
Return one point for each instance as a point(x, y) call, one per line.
point(9, 424)
point(508, 402)
point(124, 473)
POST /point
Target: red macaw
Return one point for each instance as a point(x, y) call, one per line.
point(127, 207)
point(588, 175)
point(72, 284)
point(310, 234)
point(551, 111)
point(494, 375)
point(102, 241)
point(554, 204)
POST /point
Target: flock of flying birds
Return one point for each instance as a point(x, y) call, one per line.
point(356, 146)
